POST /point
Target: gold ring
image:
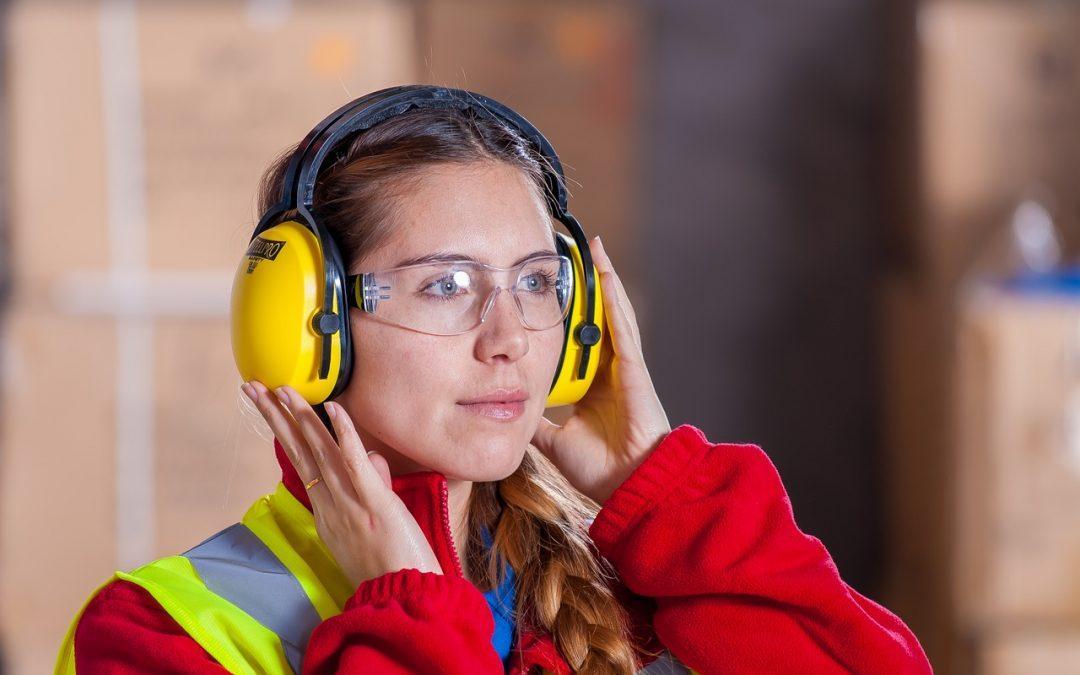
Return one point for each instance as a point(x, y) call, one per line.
point(312, 482)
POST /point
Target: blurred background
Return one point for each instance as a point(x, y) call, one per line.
point(849, 229)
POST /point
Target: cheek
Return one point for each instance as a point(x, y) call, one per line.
point(394, 382)
point(549, 348)
point(543, 358)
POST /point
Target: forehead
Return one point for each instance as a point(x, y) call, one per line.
point(487, 211)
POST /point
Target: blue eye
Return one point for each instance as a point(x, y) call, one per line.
point(447, 287)
point(539, 282)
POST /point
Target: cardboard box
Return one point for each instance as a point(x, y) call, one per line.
point(1025, 649)
point(999, 96)
point(1017, 467)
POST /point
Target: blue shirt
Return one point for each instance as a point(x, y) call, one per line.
point(501, 601)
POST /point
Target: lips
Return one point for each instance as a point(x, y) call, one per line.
point(503, 404)
point(503, 395)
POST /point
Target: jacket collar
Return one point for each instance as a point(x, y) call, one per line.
point(425, 495)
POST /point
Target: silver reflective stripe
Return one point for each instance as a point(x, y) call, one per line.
point(239, 567)
point(665, 664)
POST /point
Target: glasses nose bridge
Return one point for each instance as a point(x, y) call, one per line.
point(490, 302)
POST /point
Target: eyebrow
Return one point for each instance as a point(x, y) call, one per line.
point(446, 256)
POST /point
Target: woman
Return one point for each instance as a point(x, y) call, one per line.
point(464, 531)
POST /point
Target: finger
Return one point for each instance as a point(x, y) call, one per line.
point(292, 440)
point(608, 268)
point(383, 467)
point(323, 447)
point(626, 339)
point(362, 473)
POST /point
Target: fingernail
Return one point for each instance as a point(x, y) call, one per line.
point(249, 391)
point(331, 410)
point(282, 396)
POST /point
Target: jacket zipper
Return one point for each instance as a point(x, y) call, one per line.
point(445, 498)
point(517, 660)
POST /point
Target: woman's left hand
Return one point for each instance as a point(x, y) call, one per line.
point(620, 420)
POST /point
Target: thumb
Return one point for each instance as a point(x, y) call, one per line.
point(544, 436)
point(382, 467)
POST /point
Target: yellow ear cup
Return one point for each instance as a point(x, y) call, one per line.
point(568, 388)
point(277, 290)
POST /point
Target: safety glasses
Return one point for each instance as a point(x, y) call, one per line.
point(454, 297)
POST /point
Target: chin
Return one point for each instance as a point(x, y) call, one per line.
point(490, 461)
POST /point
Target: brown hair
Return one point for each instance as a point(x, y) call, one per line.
point(538, 521)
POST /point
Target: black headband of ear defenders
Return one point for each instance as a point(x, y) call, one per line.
point(298, 188)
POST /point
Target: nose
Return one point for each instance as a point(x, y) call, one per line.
point(502, 330)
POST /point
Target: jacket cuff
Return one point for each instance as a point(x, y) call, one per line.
point(411, 584)
point(666, 468)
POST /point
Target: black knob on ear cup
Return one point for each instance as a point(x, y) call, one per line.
point(325, 324)
point(588, 333)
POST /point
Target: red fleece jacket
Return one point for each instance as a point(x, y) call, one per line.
point(702, 535)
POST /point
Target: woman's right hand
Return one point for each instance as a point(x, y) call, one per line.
point(359, 517)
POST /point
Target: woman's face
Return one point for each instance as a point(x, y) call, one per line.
point(406, 386)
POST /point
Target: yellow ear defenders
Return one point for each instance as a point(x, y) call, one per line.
point(289, 307)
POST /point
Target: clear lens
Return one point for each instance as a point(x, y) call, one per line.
point(450, 298)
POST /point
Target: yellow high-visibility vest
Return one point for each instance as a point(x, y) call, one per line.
point(250, 594)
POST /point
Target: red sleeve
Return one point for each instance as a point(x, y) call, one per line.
point(407, 621)
point(123, 629)
point(707, 531)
